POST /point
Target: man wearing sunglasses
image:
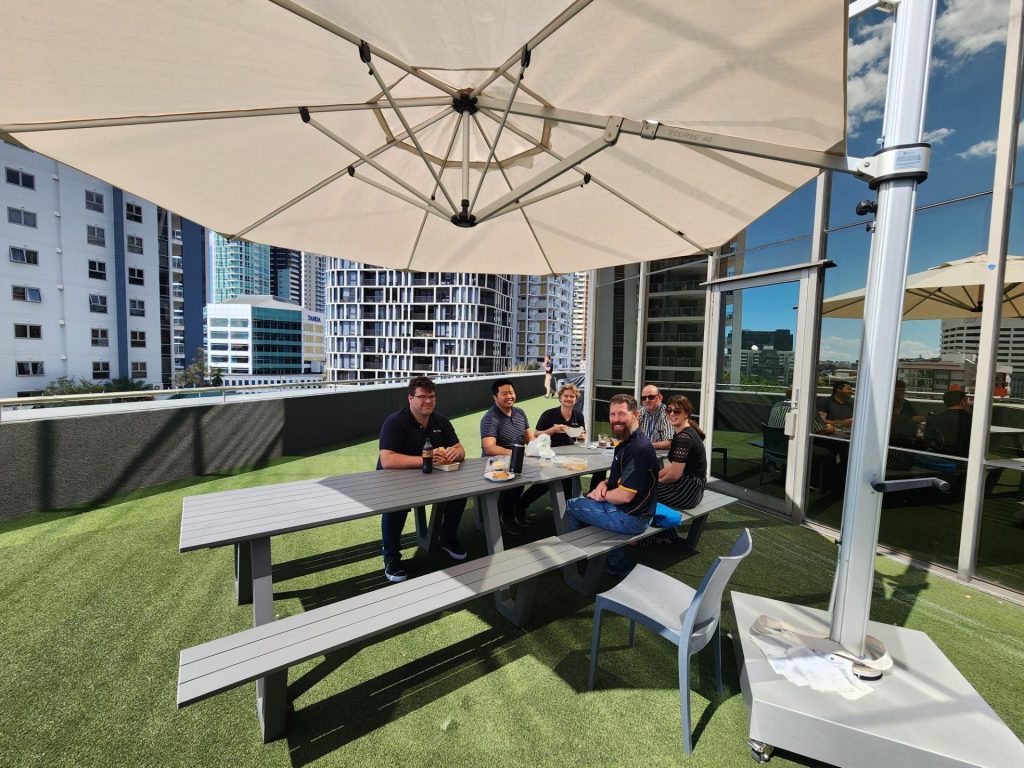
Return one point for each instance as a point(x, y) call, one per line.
point(654, 420)
point(402, 438)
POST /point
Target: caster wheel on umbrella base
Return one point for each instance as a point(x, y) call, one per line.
point(759, 751)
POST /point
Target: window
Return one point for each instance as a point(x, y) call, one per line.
point(21, 179)
point(100, 370)
point(21, 216)
point(135, 276)
point(133, 212)
point(24, 293)
point(137, 307)
point(100, 337)
point(98, 269)
point(138, 338)
point(29, 368)
point(95, 235)
point(27, 331)
point(135, 244)
point(24, 255)
point(138, 369)
point(94, 201)
point(97, 303)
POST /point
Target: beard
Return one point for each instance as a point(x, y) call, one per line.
point(622, 431)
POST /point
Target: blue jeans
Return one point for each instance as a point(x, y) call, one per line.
point(392, 523)
point(584, 511)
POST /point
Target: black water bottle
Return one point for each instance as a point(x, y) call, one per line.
point(428, 457)
point(516, 462)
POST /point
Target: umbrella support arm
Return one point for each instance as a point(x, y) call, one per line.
point(608, 139)
point(656, 131)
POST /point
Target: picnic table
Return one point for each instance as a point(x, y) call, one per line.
point(249, 518)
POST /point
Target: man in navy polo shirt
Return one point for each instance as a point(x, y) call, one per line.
point(501, 427)
point(625, 502)
point(401, 447)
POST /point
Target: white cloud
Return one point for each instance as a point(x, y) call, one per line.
point(985, 148)
point(867, 63)
point(968, 27)
point(839, 348)
point(911, 349)
point(938, 135)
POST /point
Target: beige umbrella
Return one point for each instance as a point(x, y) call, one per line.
point(465, 135)
point(951, 290)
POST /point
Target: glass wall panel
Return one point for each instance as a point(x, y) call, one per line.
point(755, 370)
point(615, 315)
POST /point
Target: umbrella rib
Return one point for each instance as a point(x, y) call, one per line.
point(606, 187)
point(549, 29)
point(224, 114)
point(405, 124)
point(603, 142)
point(423, 221)
point(335, 176)
point(338, 30)
point(501, 127)
point(529, 224)
point(377, 166)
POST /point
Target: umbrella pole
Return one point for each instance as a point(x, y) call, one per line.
point(887, 273)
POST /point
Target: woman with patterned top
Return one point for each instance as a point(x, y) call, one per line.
point(681, 482)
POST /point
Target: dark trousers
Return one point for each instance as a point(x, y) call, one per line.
point(392, 523)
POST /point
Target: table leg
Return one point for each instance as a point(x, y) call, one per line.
point(262, 582)
point(488, 505)
point(556, 492)
point(243, 573)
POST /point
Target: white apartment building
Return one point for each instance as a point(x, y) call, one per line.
point(260, 340)
point(962, 336)
point(580, 307)
point(384, 323)
point(544, 319)
point(80, 293)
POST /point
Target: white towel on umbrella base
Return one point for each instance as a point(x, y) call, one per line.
point(809, 660)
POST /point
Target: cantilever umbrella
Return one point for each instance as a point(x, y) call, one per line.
point(948, 291)
point(474, 135)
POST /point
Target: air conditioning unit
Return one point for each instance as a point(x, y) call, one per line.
point(63, 357)
point(61, 323)
point(60, 286)
point(58, 250)
point(57, 214)
point(55, 177)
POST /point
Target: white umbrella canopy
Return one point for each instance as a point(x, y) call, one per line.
point(196, 106)
point(951, 290)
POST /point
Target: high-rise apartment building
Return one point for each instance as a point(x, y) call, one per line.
point(314, 282)
point(238, 268)
point(544, 319)
point(286, 274)
point(182, 250)
point(580, 307)
point(383, 323)
point(260, 340)
point(675, 321)
point(80, 292)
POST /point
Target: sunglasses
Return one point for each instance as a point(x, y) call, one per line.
point(650, 397)
point(674, 411)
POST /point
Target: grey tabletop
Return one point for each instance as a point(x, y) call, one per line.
point(230, 517)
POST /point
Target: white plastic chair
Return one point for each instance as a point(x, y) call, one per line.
point(673, 610)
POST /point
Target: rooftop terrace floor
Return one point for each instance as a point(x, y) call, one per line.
point(99, 602)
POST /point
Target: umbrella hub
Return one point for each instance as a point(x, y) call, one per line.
point(464, 218)
point(464, 102)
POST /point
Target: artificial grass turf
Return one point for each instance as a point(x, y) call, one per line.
point(98, 605)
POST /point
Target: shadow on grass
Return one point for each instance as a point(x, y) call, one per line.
point(325, 726)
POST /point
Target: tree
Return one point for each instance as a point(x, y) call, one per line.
point(66, 385)
point(195, 374)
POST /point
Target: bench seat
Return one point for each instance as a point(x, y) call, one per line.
point(598, 542)
point(266, 652)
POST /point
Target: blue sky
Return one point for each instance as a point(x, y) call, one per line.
point(961, 123)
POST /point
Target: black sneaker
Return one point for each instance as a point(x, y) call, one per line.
point(622, 569)
point(521, 518)
point(509, 525)
point(394, 572)
point(455, 550)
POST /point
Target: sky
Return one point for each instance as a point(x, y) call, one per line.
point(961, 124)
